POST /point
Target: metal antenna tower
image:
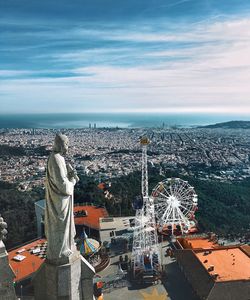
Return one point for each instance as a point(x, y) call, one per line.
point(145, 253)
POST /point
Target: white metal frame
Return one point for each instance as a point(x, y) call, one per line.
point(175, 204)
point(145, 233)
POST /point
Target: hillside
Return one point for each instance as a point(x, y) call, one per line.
point(223, 207)
point(6, 150)
point(230, 125)
point(18, 210)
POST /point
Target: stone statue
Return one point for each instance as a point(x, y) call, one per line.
point(59, 217)
point(7, 291)
point(65, 274)
point(3, 230)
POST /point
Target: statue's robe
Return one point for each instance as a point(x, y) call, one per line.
point(59, 216)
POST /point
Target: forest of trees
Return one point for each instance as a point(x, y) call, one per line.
point(18, 210)
point(223, 207)
point(6, 150)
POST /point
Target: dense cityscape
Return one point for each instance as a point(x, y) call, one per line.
point(215, 161)
point(125, 150)
point(220, 154)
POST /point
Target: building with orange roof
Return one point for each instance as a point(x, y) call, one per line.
point(88, 215)
point(85, 216)
point(201, 241)
point(225, 264)
point(102, 186)
point(215, 272)
point(26, 259)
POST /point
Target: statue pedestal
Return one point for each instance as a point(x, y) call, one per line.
point(70, 281)
point(7, 275)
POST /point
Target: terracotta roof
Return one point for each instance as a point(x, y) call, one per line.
point(197, 243)
point(229, 263)
point(24, 269)
point(202, 243)
point(101, 186)
point(92, 217)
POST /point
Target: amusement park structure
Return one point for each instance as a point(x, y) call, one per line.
point(170, 209)
point(175, 204)
point(145, 254)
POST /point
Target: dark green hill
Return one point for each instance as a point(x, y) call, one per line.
point(17, 208)
point(6, 150)
point(223, 207)
point(230, 125)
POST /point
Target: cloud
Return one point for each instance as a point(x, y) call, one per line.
point(155, 66)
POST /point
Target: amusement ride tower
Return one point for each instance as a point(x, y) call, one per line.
point(145, 253)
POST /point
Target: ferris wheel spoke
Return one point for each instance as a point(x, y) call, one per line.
point(183, 206)
point(181, 214)
point(175, 186)
point(160, 198)
point(166, 191)
point(164, 210)
point(182, 194)
point(185, 201)
point(160, 212)
point(171, 189)
point(174, 218)
point(163, 195)
point(186, 193)
point(169, 206)
point(162, 202)
point(177, 190)
point(181, 188)
point(167, 212)
point(186, 210)
point(186, 190)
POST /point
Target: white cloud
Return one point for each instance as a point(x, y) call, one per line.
point(211, 74)
point(13, 73)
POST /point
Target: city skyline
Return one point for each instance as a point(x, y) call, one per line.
point(125, 56)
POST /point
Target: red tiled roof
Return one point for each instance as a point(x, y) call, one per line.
point(101, 186)
point(202, 243)
point(228, 263)
point(197, 243)
point(92, 217)
point(23, 269)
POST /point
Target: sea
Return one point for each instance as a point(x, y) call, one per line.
point(114, 120)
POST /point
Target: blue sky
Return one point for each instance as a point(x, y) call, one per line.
point(117, 55)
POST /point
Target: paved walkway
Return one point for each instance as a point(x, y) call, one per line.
point(173, 287)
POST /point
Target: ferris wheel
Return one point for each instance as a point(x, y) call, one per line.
point(175, 204)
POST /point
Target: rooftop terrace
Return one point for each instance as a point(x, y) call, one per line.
point(226, 264)
point(29, 261)
point(91, 216)
point(198, 243)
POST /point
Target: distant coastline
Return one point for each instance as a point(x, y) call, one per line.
point(112, 120)
point(230, 125)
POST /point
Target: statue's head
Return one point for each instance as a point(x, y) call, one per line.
point(61, 144)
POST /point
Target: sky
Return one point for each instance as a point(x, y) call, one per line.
point(125, 56)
